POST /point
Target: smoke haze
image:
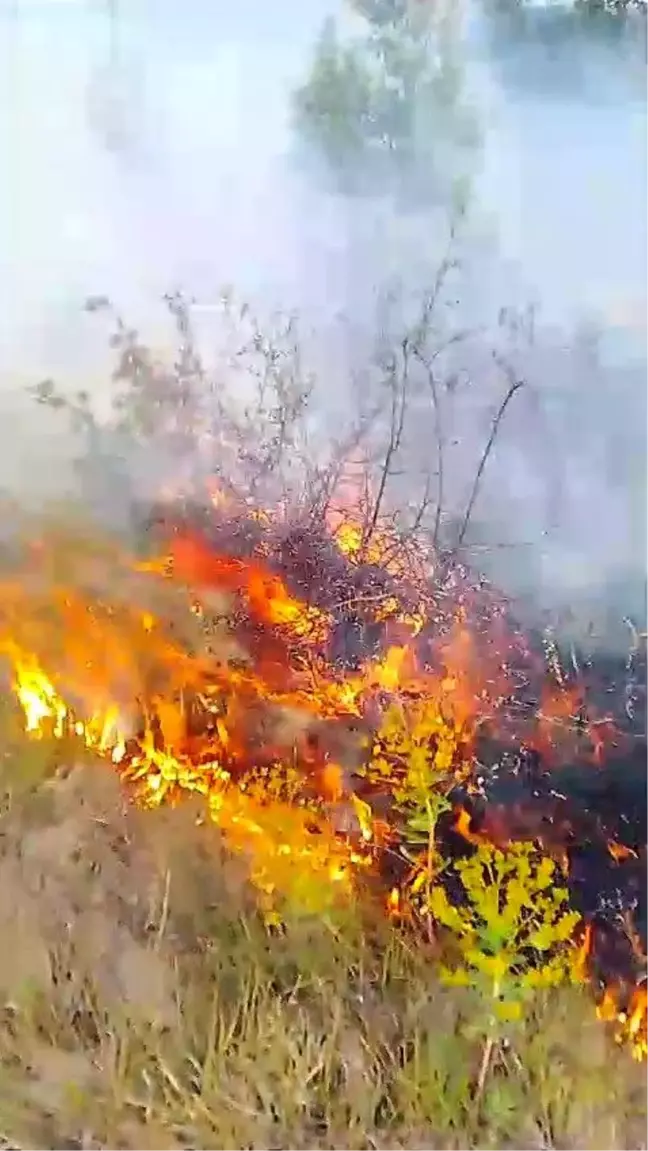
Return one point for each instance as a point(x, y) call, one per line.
point(156, 152)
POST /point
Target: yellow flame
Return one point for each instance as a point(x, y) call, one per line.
point(278, 837)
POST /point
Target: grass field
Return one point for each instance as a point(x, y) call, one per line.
point(145, 1004)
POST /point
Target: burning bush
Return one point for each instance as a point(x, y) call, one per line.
point(201, 671)
point(334, 786)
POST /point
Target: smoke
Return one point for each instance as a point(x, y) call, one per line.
point(569, 145)
point(163, 157)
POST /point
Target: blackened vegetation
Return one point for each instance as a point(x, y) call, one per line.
point(587, 808)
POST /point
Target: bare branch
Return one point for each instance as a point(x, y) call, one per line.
point(440, 445)
point(515, 384)
point(400, 388)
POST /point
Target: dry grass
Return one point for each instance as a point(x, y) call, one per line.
point(144, 1005)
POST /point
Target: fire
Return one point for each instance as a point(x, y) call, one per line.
point(394, 903)
point(44, 708)
point(635, 1023)
point(370, 538)
point(279, 836)
point(246, 725)
point(462, 825)
point(620, 851)
point(265, 594)
point(388, 673)
point(349, 539)
point(275, 832)
point(630, 1025)
point(37, 697)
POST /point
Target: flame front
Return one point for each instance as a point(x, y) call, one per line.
point(111, 675)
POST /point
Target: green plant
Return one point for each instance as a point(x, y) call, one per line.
point(418, 751)
point(512, 932)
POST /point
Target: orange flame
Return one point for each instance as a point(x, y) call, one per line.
point(107, 669)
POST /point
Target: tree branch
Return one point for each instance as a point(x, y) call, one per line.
point(515, 385)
